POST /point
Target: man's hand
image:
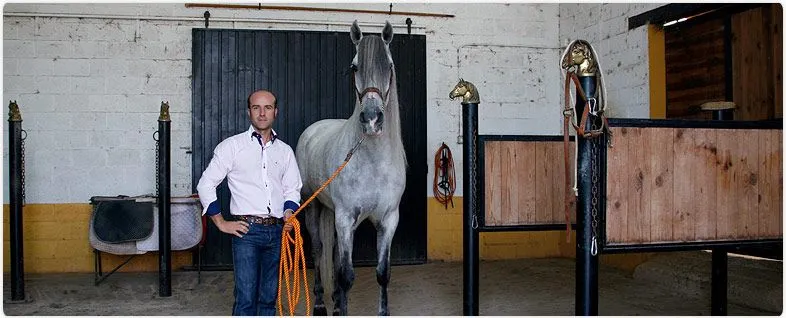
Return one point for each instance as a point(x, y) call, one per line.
point(236, 228)
point(287, 214)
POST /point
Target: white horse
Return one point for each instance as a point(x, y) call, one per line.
point(369, 187)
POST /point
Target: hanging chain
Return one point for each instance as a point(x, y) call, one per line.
point(155, 137)
point(595, 166)
point(475, 183)
point(24, 200)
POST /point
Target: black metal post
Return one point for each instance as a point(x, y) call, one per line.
point(15, 153)
point(720, 257)
point(723, 114)
point(719, 282)
point(586, 263)
point(164, 198)
point(469, 115)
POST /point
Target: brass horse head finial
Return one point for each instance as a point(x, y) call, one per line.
point(164, 116)
point(13, 112)
point(466, 91)
point(579, 58)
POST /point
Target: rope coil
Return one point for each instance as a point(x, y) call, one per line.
point(443, 171)
point(292, 260)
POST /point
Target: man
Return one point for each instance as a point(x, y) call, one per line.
point(265, 183)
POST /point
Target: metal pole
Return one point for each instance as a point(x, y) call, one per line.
point(469, 115)
point(586, 263)
point(16, 198)
point(164, 198)
point(719, 282)
point(720, 257)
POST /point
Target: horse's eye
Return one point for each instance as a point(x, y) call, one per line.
point(353, 67)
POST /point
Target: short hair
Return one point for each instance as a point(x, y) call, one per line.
point(275, 99)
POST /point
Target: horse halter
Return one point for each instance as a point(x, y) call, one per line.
point(373, 89)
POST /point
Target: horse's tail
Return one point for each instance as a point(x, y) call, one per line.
point(327, 233)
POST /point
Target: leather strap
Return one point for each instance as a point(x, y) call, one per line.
point(567, 113)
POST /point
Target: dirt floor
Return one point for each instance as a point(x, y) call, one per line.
point(514, 287)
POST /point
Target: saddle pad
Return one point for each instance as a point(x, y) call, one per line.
point(122, 220)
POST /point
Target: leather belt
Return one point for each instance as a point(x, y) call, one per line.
point(261, 220)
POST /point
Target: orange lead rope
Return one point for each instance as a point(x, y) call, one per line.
point(294, 260)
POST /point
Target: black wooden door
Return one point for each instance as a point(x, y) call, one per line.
point(308, 73)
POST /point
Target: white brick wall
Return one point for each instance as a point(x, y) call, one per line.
point(623, 53)
point(90, 88)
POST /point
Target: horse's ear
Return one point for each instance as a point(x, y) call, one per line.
point(461, 80)
point(387, 33)
point(355, 33)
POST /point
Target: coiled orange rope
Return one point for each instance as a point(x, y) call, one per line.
point(292, 260)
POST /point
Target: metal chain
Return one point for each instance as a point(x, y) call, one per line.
point(595, 166)
point(24, 200)
point(475, 183)
point(155, 137)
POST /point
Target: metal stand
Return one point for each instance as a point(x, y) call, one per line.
point(98, 273)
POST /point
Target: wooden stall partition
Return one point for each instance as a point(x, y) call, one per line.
point(680, 185)
point(524, 181)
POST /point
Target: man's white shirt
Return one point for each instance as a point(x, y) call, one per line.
point(259, 178)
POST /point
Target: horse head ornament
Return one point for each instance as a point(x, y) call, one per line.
point(467, 91)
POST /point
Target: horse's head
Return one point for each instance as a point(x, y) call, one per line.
point(459, 90)
point(579, 57)
point(373, 76)
point(466, 91)
point(13, 111)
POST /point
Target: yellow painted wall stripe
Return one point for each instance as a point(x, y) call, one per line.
point(657, 65)
point(56, 241)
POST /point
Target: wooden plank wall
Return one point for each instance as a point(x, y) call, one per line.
point(695, 68)
point(753, 63)
point(695, 60)
point(671, 185)
point(525, 183)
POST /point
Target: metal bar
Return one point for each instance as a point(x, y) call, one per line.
point(469, 115)
point(16, 201)
point(100, 277)
point(293, 8)
point(689, 246)
point(201, 18)
point(586, 263)
point(524, 227)
point(710, 124)
point(164, 198)
point(719, 282)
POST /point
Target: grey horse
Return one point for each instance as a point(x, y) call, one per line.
point(371, 184)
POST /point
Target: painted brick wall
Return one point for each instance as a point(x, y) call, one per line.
point(623, 53)
point(90, 82)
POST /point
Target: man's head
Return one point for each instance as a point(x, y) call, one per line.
point(262, 109)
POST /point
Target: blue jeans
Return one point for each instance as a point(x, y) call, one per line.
point(256, 259)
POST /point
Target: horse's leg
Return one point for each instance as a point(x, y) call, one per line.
point(312, 223)
point(344, 273)
point(385, 230)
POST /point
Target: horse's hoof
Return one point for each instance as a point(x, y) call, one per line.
point(320, 310)
point(336, 312)
point(384, 313)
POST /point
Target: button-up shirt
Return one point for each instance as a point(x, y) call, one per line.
point(261, 178)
